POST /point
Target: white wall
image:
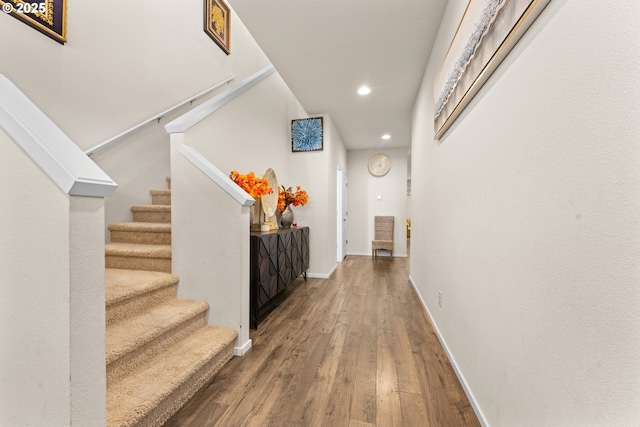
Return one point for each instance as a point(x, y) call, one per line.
point(34, 386)
point(122, 65)
point(529, 221)
point(321, 176)
point(364, 190)
point(50, 265)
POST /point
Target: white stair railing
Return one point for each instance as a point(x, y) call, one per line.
point(186, 121)
point(216, 175)
point(55, 153)
point(157, 117)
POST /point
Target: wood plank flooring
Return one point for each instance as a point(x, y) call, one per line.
point(355, 350)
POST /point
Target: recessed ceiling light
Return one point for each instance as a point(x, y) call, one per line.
point(386, 136)
point(364, 90)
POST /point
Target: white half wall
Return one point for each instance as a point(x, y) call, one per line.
point(210, 242)
point(35, 372)
point(529, 221)
point(52, 366)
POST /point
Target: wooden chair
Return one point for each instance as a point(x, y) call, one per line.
point(383, 237)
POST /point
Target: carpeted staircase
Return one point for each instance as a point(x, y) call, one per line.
point(160, 350)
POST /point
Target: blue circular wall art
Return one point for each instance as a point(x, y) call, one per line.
point(306, 134)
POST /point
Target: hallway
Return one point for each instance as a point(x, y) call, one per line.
point(354, 350)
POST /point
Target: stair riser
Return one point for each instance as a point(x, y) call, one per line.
point(169, 406)
point(149, 216)
point(136, 263)
point(131, 361)
point(161, 199)
point(139, 303)
point(139, 237)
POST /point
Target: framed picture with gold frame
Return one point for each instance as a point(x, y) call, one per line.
point(217, 23)
point(47, 16)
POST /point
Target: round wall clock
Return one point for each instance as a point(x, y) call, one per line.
point(379, 165)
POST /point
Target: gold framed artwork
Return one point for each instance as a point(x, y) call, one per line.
point(487, 32)
point(217, 23)
point(47, 16)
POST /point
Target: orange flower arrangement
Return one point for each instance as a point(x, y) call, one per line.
point(286, 197)
point(256, 187)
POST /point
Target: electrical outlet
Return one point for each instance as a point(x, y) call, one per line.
point(440, 298)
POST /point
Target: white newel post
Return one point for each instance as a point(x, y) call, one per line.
point(87, 310)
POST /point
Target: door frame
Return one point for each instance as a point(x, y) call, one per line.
point(341, 214)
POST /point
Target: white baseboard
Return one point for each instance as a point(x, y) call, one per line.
point(452, 360)
point(381, 256)
point(322, 276)
point(242, 350)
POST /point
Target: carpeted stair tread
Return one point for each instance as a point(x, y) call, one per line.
point(152, 233)
point(151, 208)
point(123, 285)
point(148, 227)
point(151, 394)
point(159, 208)
point(124, 337)
point(137, 250)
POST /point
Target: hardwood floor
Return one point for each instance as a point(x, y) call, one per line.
point(355, 350)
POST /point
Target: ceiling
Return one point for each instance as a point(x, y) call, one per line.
point(325, 50)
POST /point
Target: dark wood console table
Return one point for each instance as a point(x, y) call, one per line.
point(278, 258)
